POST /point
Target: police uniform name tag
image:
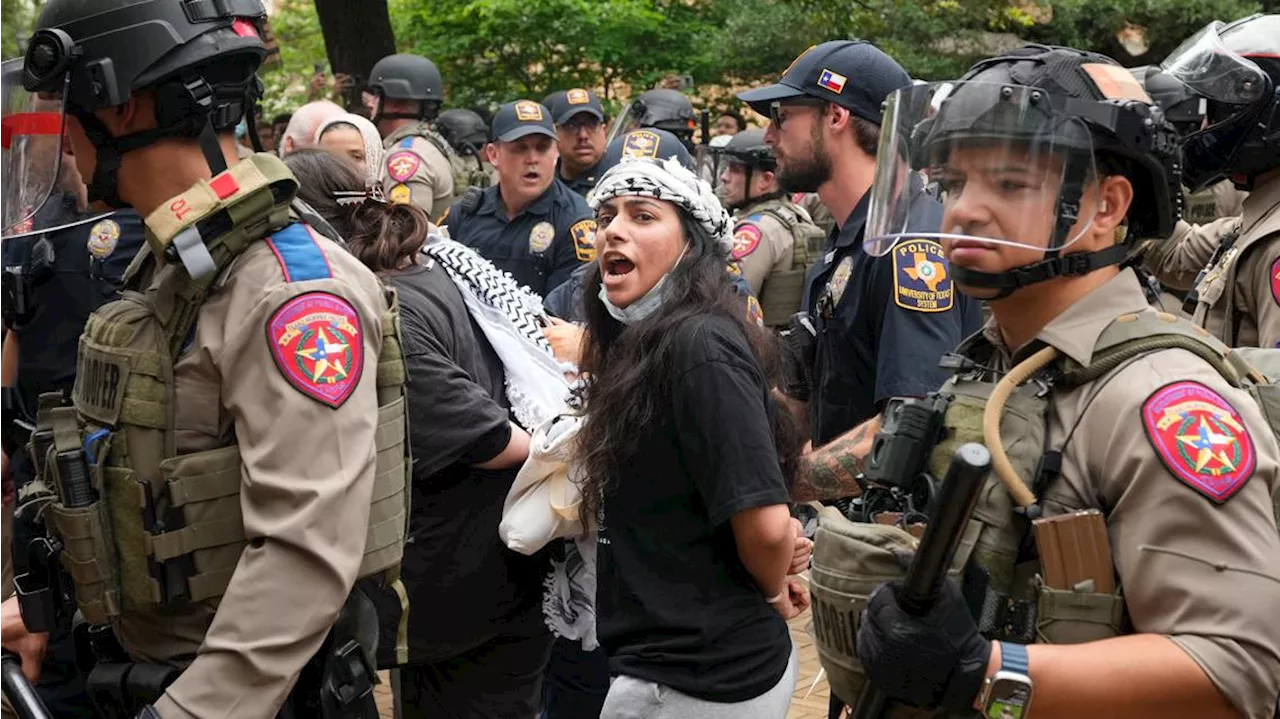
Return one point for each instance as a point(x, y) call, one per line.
point(920, 279)
point(1200, 438)
point(540, 237)
point(318, 346)
point(99, 388)
point(103, 237)
point(583, 233)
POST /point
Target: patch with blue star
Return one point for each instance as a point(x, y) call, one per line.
point(1200, 438)
point(920, 279)
point(318, 346)
point(583, 233)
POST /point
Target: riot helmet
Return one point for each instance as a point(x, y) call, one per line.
point(748, 150)
point(198, 58)
point(407, 77)
point(1034, 130)
point(464, 130)
point(1234, 69)
point(664, 109)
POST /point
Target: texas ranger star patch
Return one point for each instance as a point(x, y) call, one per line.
point(401, 165)
point(1275, 280)
point(920, 279)
point(1200, 437)
point(317, 344)
point(746, 238)
point(583, 233)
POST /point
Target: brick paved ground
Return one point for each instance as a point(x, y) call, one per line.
point(812, 706)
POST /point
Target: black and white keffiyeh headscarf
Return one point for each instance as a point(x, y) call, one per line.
point(674, 183)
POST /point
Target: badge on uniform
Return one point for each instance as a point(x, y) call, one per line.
point(1275, 280)
point(920, 279)
point(583, 233)
point(318, 346)
point(400, 195)
point(401, 165)
point(755, 315)
point(527, 111)
point(540, 237)
point(641, 144)
point(746, 238)
point(1200, 438)
point(103, 237)
point(839, 280)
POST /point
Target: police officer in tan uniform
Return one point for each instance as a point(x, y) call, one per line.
point(232, 410)
point(1231, 266)
point(1169, 448)
point(406, 92)
point(771, 235)
point(467, 133)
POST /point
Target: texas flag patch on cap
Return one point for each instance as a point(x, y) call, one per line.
point(832, 81)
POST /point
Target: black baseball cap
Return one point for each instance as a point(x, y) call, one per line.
point(647, 143)
point(515, 120)
point(851, 73)
point(567, 103)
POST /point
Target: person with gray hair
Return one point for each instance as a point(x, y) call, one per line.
point(302, 127)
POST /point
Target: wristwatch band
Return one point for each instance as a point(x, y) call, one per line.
point(1013, 658)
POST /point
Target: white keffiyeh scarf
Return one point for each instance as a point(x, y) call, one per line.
point(507, 314)
point(672, 182)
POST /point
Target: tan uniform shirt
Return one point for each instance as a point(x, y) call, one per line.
point(1240, 294)
point(308, 471)
point(414, 169)
point(762, 244)
point(1204, 573)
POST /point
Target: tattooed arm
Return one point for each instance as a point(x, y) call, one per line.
point(828, 472)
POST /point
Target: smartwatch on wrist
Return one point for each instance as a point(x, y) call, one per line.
point(1007, 693)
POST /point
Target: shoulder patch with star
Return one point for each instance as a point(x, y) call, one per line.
point(921, 282)
point(583, 233)
point(401, 165)
point(1275, 280)
point(746, 238)
point(318, 346)
point(1200, 438)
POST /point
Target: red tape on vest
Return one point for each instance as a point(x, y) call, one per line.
point(318, 345)
point(1200, 437)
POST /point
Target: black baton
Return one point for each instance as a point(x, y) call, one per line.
point(21, 695)
point(965, 477)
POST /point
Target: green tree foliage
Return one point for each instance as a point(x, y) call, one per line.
point(19, 16)
point(296, 28)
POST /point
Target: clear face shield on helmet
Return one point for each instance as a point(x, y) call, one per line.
point(33, 127)
point(1234, 88)
point(1009, 164)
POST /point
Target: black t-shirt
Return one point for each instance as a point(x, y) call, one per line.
point(675, 605)
point(463, 583)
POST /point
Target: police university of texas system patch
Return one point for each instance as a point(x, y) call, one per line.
point(583, 233)
point(920, 279)
point(1200, 437)
point(317, 344)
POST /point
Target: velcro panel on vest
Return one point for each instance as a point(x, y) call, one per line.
point(1022, 432)
point(781, 295)
point(384, 542)
point(1069, 617)
point(128, 506)
point(117, 383)
point(391, 371)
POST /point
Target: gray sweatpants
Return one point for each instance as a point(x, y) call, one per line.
point(631, 698)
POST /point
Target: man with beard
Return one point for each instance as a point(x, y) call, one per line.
point(880, 325)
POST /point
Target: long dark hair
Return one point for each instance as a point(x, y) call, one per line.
point(382, 235)
point(631, 372)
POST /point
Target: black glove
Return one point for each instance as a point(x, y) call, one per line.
point(935, 660)
point(799, 342)
point(148, 712)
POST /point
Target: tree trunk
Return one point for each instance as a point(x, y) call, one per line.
point(357, 34)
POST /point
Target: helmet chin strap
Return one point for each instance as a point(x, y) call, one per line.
point(1074, 174)
point(104, 185)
